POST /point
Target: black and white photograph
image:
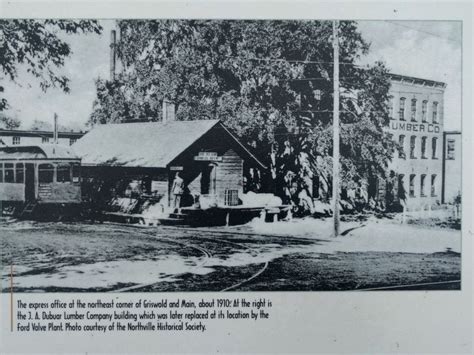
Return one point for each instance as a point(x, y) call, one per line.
point(199, 155)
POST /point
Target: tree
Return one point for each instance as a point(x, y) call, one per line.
point(8, 122)
point(270, 81)
point(38, 46)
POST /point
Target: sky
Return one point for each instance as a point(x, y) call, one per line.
point(426, 49)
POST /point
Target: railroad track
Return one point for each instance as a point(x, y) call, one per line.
point(207, 256)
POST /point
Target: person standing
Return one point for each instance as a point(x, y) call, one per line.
point(177, 190)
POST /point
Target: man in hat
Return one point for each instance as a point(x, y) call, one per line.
point(177, 190)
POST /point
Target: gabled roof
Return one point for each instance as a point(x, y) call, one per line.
point(142, 144)
point(40, 151)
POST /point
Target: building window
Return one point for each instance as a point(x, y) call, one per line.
point(433, 185)
point(231, 197)
point(20, 173)
point(434, 148)
point(45, 173)
point(424, 108)
point(72, 141)
point(412, 185)
point(401, 111)
point(401, 187)
point(9, 173)
point(401, 142)
point(15, 140)
point(422, 184)
point(44, 139)
point(435, 112)
point(412, 147)
point(423, 147)
point(390, 107)
point(450, 154)
point(1, 172)
point(413, 110)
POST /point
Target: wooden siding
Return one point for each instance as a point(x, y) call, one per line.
point(229, 175)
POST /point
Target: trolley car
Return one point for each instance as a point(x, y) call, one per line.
point(47, 175)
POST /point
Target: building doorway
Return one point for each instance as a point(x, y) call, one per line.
point(29, 182)
point(208, 179)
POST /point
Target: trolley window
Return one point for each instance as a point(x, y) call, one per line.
point(64, 173)
point(45, 173)
point(76, 172)
point(9, 173)
point(20, 173)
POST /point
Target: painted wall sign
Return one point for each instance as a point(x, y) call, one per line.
point(415, 127)
point(207, 156)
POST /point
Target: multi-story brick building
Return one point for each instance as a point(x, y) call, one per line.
point(416, 122)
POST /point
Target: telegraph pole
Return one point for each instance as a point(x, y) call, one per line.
point(335, 149)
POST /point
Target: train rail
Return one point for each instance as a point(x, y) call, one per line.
point(206, 252)
point(207, 255)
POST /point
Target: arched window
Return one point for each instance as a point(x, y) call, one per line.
point(412, 185)
point(401, 142)
point(434, 148)
point(423, 147)
point(412, 147)
point(413, 110)
point(435, 112)
point(401, 111)
point(401, 187)
point(45, 173)
point(390, 107)
point(433, 185)
point(424, 108)
point(422, 184)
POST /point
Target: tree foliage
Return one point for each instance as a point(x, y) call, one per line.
point(9, 122)
point(270, 81)
point(38, 46)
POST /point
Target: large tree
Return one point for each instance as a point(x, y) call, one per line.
point(38, 46)
point(270, 81)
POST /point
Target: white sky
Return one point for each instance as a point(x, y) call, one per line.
point(425, 49)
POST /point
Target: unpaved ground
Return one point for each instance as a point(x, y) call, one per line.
point(84, 257)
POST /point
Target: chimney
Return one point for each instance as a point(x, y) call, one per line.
point(112, 54)
point(168, 111)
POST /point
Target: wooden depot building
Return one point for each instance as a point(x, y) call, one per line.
point(208, 156)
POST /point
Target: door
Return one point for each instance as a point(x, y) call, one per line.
point(208, 180)
point(30, 182)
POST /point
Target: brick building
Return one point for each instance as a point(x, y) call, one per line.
point(416, 122)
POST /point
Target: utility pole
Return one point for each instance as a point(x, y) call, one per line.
point(335, 149)
point(55, 129)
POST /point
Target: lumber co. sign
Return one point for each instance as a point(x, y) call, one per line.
point(415, 127)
